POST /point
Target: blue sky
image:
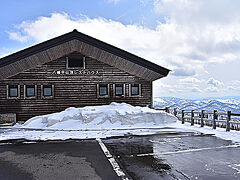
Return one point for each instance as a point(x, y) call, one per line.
point(125, 11)
point(198, 40)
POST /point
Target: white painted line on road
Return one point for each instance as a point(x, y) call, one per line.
point(201, 149)
point(4, 144)
point(139, 155)
point(111, 159)
point(235, 167)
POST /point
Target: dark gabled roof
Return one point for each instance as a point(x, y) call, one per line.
point(88, 40)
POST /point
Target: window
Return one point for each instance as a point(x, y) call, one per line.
point(103, 90)
point(76, 62)
point(30, 91)
point(47, 91)
point(13, 91)
point(135, 90)
point(119, 89)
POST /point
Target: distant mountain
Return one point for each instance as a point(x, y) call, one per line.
point(208, 104)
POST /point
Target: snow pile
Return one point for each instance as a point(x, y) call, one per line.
point(111, 116)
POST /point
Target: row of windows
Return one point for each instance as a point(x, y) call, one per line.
point(119, 90)
point(30, 91)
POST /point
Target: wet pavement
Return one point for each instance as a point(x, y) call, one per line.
point(167, 155)
point(177, 156)
point(73, 159)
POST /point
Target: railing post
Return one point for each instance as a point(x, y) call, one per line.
point(214, 118)
point(192, 118)
point(175, 111)
point(202, 117)
point(167, 109)
point(228, 121)
point(182, 116)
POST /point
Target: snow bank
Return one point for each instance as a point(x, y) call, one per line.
point(92, 122)
point(111, 116)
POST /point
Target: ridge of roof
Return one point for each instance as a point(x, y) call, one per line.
point(86, 39)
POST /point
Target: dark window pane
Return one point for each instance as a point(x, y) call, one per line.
point(13, 91)
point(47, 91)
point(103, 90)
point(75, 62)
point(30, 92)
point(119, 90)
point(135, 90)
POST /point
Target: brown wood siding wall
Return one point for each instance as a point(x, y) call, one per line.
point(69, 90)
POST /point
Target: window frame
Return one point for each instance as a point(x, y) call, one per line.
point(42, 91)
point(114, 90)
point(139, 90)
point(98, 91)
point(67, 64)
point(18, 92)
point(25, 92)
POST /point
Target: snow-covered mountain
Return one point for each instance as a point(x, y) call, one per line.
point(208, 104)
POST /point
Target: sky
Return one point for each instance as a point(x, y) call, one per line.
point(198, 40)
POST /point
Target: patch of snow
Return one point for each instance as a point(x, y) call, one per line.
point(229, 101)
point(233, 135)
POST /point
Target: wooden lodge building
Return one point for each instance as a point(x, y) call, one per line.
point(73, 70)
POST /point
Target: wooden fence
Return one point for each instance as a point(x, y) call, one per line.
point(214, 119)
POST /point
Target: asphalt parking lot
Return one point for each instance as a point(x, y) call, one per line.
point(168, 155)
point(177, 156)
point(55, 160)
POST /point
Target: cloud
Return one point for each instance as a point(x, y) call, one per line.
point(183, 72)
point(190, 80)
point(214, 86)
point(209, 29)
point(215, 83)
point(44, 28)
point(234, 85)
point(183, 48)
point(232, 88)
point(212, 89)
point(17, 36)
point(196, 90)
point(199, 12)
